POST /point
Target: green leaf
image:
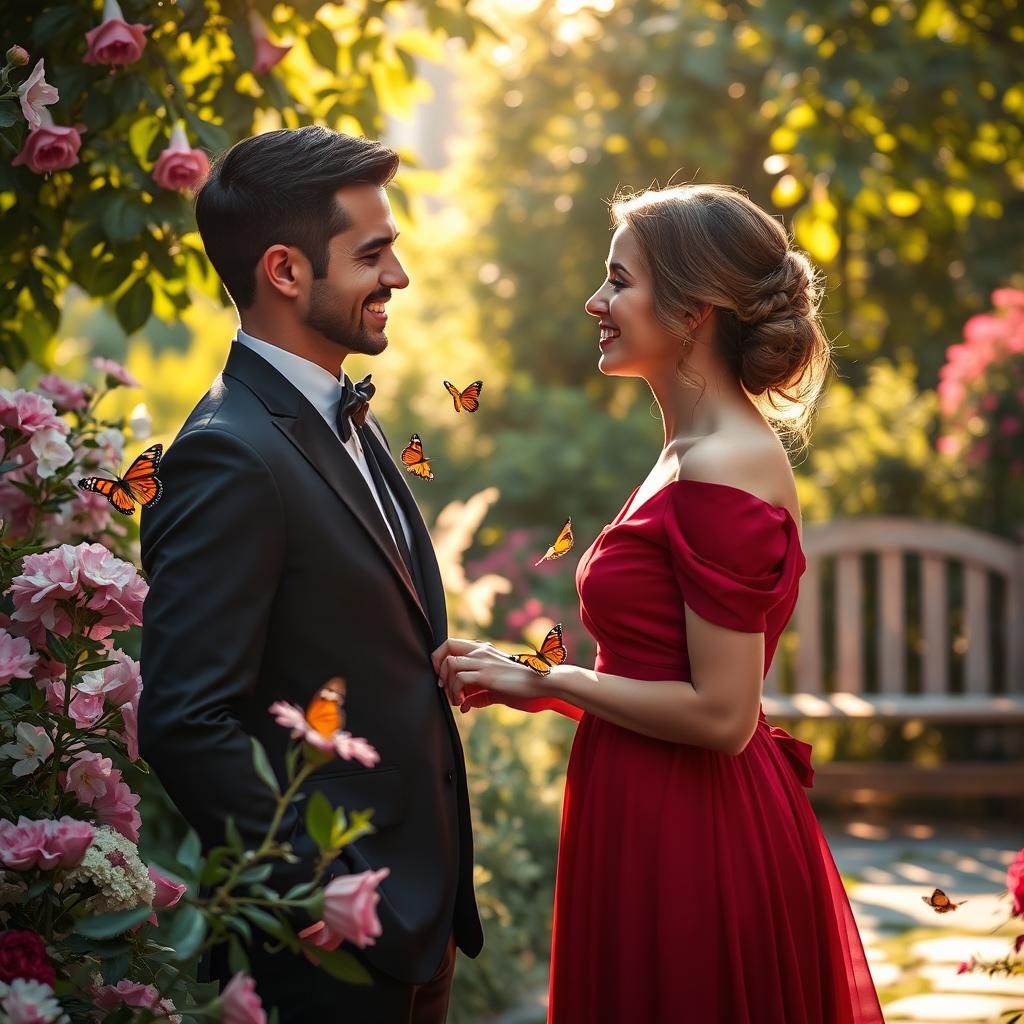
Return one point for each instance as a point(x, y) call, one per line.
point(124, 218)
point(107, 926)
point(237, 959)
point(261, 765)
point(135, 306)
point(187, 933)
point(257, 873)
point(319, 819)
point(8, 114)
point(212, 136)
point(141, 135)
point(323, 46)
point(92, 666)
point(233, 836)
point(341, 965)
point(190, 853)
point(270, 924)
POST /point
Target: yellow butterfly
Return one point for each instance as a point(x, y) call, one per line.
point(563, 544)
point(415, 461)
point(551, 652)
point(469, 398)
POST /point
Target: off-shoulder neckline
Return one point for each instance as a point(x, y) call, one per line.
point(621, 517)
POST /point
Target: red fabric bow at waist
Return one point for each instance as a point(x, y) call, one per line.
point(796, 752)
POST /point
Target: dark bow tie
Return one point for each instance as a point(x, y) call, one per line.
point(355, 403)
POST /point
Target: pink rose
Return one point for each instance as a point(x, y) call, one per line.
point(50, 147)
point(265, 53)
point(130, 730)
point(115, 373)
point(350, 909)
point(45, 843)
point(54, 583)
point(240, 1003)
point(1015, 883)
point(64, 394)
point(1007, 298)
point(115, 41)
point(134, 993)
point(35, 93)
point(16, 658)
point(29, 412)
point(88, 777)
point(122, 681)
point(180, 166)
point(116, 807)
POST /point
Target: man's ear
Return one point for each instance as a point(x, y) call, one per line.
point(284, 269)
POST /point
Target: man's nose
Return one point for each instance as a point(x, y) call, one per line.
point(394, 275)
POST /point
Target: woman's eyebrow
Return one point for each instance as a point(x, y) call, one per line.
point(619, 269)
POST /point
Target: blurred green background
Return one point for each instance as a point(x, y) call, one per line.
point(887, 136)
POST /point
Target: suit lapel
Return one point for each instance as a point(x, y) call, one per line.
point(423, 545)
point(306, 430)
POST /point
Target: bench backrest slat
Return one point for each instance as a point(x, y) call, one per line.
point(845, 544)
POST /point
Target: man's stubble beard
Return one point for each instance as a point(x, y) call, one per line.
point(323, 318)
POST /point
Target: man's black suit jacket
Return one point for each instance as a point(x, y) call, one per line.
point(271, 570)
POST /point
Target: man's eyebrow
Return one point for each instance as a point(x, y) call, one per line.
point(619, 268)
point(376, 243)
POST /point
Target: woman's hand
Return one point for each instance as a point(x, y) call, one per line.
point(475, 674)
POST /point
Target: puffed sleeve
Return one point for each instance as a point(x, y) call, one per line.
point(735, 556)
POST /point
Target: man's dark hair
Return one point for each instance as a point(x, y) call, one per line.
point(278, 188)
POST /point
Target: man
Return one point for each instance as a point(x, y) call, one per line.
point(287, 549)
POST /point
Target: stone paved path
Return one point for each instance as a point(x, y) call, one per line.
point(914, 952)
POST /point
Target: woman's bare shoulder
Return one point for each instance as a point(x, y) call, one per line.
point(747, 458)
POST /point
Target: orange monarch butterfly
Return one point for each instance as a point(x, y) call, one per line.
point(468, 399)
point(941, 903)
point(563, 544)
point(326, 711)
point(415, 461)
point(551, 652)
point(140, 484)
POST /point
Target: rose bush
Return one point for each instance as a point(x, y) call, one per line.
point(79, 934)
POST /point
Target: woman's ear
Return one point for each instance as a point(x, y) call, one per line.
point(695, 323)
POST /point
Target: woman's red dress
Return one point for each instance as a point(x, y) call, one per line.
point(694, 886)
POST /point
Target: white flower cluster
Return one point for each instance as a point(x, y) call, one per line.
point(112, 864)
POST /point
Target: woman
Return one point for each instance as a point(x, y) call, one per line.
point(693, 881)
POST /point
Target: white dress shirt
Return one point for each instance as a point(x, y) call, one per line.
point(323, 391)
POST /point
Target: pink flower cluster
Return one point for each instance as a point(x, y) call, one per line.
point(97, 784)
point(65, 394)
point(56, 584)
point(134, 993)
point(981, 387)
point(46, 843)
point(342, 744)
point(114, 373)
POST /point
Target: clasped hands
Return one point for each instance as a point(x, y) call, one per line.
point(475, 674)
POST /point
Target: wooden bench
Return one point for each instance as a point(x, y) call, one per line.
point(903, 619)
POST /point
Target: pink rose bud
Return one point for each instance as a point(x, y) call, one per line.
point(240, 1003)
point(35, 93)
point(350, 907)
point(265, 53)
point(180, 166)
point(50, 147)
point(115, 41)
point(17, 56)
point(168, 892)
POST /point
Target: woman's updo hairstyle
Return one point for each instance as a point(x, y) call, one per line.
point(710, 244)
